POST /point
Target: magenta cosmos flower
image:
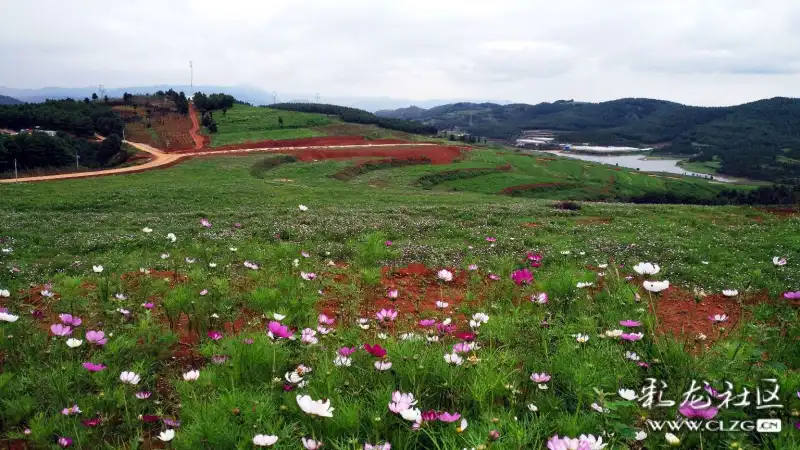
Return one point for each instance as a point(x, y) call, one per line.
point(534, 259)
point(347, 351)
point(688, 411)
point(448, 417)
point(92, 422)
point(96, 337)
point(630, 323)
point(427, 322)
point(69, 319)
point(64, 442)
point(522, 276)
point(214, 335)
point(791, 295)
point(632, 337)
point(375, 350)
point(60, 330)
point(386, 315)
point(276, 330)
point(143, 395)
point(93, 367)
point(388, 243)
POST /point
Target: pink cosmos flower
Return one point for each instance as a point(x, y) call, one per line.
point(539, 298)
point(148, 305)
point(237, 225)
point(64, 442)
point(632, 337)
point(347, 351)
point(445, 328)
point(386, 315)
point(384, 446)
point(493, 277)
point(60, 330)
point(687, 410)
point(71, 411)
point(392, 293)
point(248, 341)
point(96, 337)
point(427, 322)
point(69, 319)
point(540, 377)
point(375, 350)
point(325, 320)
point(204, 222)
point(630, 323)
point(791, 295)
point(308, 276)
point(448, 417)
point(276, 330)
point(170, 422)
point(219, 359)
point(522, 276)
point(93, 367)
point(643, 364)
point(214, 335)
point(204, 292)
point(472, 267)
point(718, 318)
point(462, 347)
point(143, 395)
point(490, 239)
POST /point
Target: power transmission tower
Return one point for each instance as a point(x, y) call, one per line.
point(191, 75)
point(274, 98)
point(316, 97)
point(102, 91)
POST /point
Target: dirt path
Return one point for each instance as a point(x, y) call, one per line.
point(198, 140)
point(160, 159)
point(163, 160)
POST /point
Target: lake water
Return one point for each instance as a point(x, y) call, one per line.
point(639, 162)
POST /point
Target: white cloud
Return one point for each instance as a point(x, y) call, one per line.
point(693, 51)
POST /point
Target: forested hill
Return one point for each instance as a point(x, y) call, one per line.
point(6, 100)
point(758, 140)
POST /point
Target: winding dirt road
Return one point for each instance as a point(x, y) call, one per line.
point(162, 159)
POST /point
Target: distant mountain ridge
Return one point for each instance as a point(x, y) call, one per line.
point(6, 100)
point(760, 139)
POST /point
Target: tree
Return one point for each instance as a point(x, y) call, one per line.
point(212, 127)
point(126, 98)
point(94, 96)
point(86, 100)
point(105, 99)
point(280, 121)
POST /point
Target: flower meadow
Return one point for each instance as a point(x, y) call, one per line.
point(208, 339)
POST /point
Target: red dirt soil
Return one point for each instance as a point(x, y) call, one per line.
point(437, 154)
point(680, 315)
point(418, 289)
point(303, 142)
point(199, 142)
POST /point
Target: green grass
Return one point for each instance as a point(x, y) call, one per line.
point(248, 123)
point(707, 167)
point(57, 231)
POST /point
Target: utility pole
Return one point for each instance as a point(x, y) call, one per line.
point(16, 175)
point(191, 75)
point(77, 158)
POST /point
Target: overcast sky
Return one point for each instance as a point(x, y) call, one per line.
point(701, 52)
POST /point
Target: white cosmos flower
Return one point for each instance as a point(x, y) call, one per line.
point(342, 361)
point(672, 439)
point(778, 261)
point(383, 365)
point(315, 407)
point(599, 408)
point(641, 435)
point(432, 338)
point(363, 323)
point(171, 237)
point(411, 414)
point(164, 255)
point(129, 378)
point(480, 317)
point(293, 377)
point(296, 262)
point(6, 317)
point(383, 336)
point(278, 317)
point(263, 440)
point(302, 207)
point(532, 407)
point(445, 275)
point(565, 252)
point(632, 356)
point(646, 268)
point(730, 292)
point(441, 304)
point(167, 435)
point(453, 358)
point(627, 394)
point(613, 333)
point(584, 284)
point(582, 338)
point(8, 250)
point(656, 286)
point(447, 321)
point(5, 293)
point(701, 337)
point(191, 375)
point(311, 444)
point(602, 266)
point(462, 426)
point(233, 249)
point(147, 230)
point(97, 269)
point(212, 265)
point(72, 342)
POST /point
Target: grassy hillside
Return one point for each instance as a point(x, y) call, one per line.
point(204, 299)
point(245, 123)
